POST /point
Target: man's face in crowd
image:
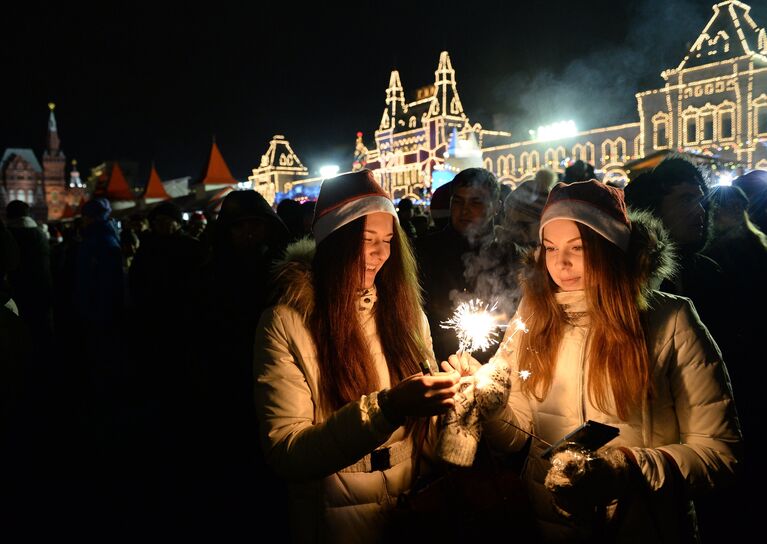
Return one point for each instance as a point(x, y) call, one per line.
point(471, 209)
point(683, 215)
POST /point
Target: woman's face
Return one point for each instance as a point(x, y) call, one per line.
point(379, 230)
point(564, 254)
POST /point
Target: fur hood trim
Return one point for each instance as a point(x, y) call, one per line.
point(293, 277)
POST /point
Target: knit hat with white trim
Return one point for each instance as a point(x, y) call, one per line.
point(347, 197)
point(593, 204)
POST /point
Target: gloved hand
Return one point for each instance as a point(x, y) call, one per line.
point(582, 480)
point(493, 385)
point(459, 428)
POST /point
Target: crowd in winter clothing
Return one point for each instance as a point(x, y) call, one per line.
point(167, 373)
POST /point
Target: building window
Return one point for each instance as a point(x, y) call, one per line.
point(662, 138)
point(761, 119)
point(691, 131)
point(725, 125)
point(708, 127)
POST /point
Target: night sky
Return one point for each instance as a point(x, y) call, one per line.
point(155, 82)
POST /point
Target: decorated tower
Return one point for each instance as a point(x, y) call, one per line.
point(54, 163)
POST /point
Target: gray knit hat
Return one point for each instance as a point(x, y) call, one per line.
point(593, 204)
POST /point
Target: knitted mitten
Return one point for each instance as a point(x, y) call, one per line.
point(493, 385)
point(459, 429)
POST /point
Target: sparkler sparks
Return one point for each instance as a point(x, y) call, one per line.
point(474, 324)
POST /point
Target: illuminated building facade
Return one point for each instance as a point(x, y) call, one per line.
point(44, 188)
point(713, 103)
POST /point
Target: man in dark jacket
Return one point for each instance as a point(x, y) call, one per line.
point(465, 259)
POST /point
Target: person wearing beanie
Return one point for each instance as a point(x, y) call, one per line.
point(602, 345)
point(339, 389)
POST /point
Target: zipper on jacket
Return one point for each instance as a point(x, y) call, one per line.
point(582, 377)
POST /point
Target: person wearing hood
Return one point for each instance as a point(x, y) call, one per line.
point(340, 394)
point(601, 345)
point(99, 291)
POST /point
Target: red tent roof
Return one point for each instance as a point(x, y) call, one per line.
point(155, 189)
point(118, 188)
point(217, 172)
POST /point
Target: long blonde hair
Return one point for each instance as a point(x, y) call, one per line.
point(617, 355)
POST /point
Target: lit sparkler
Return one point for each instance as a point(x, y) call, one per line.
point(474, 324)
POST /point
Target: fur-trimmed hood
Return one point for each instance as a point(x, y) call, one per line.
point(292, 277)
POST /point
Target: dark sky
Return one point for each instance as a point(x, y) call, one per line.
point(155, 81)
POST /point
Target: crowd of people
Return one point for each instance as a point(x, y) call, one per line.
point(290, 366)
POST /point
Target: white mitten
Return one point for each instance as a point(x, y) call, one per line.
point(459, 429)
point(493, 385)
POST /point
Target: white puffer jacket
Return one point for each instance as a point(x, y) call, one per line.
point(686, 440)
point(338, 491)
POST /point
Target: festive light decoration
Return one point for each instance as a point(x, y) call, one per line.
point(714, 102)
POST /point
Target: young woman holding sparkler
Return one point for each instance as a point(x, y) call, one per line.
point(339, 390)
point(603, 346)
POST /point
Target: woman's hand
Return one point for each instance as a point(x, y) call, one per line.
point(461, 362)
point(420, 395)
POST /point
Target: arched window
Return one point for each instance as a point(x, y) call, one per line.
point(620, 149)
point(609, 151)
point(760, 115)
point(560, 155)
point(725, 120)
point(579, 153)
point(510, 158)
point(706, 123)
point(690, 126)
point(503, 166)
point(660, 130)
point(535, 160)
point(591, 155)
point(524, 160)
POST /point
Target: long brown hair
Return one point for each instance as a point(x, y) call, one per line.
point(347, 370)
point(617, 355)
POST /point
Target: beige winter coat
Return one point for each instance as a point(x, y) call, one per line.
point(686, 440)
point(336, 494)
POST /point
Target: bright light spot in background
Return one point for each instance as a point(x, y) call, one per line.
point(725, 178)
point(555, 131)
point(329, 170)
point(185, 216)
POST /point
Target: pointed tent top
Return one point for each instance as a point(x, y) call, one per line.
point(117, 188)
point(154, 188)
point(730, 33)
point(216, 171)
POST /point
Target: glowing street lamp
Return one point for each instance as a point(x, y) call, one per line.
point(329, 170)
point(555, 131)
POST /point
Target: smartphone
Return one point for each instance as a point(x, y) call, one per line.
point(592, 435)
